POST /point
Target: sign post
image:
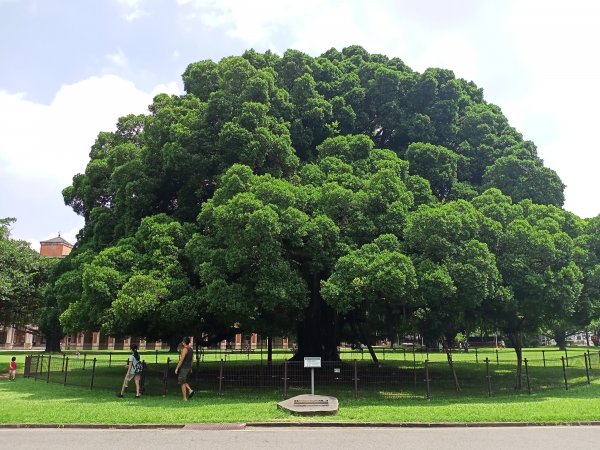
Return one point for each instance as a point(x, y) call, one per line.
point(312, 362)
point(306, 404)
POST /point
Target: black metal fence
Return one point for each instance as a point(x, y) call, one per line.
point(394, 378)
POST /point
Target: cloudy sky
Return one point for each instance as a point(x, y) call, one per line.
point(70, 68)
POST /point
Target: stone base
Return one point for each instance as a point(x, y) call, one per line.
point(310, 405)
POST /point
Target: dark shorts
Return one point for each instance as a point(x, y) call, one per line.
point(182, 376)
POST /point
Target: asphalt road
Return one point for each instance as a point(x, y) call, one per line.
point(462, 438)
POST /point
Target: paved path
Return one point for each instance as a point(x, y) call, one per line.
point(512, 438)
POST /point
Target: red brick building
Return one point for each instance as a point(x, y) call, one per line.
point(55, 248)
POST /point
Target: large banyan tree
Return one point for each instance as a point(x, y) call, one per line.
point(334, 197)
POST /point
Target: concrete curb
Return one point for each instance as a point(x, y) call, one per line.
point(242, 426)
point(419, 425)
point(91, 426)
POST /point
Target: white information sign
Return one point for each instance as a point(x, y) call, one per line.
point(312, 362)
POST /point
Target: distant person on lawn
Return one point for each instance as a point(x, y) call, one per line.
point(12, 369)
point(132, 363)
point(184, 367)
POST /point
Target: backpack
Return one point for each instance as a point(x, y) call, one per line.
point(138, 366)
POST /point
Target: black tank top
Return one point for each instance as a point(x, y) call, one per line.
point(187, 359)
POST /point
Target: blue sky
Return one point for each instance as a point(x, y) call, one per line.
point(69, 69)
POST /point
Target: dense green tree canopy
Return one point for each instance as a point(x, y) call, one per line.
point(23, 277)
point(319, 197)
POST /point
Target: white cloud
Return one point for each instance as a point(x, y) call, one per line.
point(118, 58)
point(557, 41)
point(133, 9)
point(171, 88)
point(53, 141)
point(257, 23)
point(43, 146)
point(449, 52)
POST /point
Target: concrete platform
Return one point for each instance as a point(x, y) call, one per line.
point(310, 405)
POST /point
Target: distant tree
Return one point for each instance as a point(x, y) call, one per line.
point(23, 277)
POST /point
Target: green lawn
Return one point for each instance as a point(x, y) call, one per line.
point(34, 401)
point(37, 402)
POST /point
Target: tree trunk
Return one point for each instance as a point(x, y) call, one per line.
point(364, 339)
point(53, 343)
point(269, 349)
point(587, 337)
point(174, 342)
point(560, 338)
point(317, 333)
point(517, 343)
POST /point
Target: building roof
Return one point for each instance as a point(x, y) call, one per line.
point(57, 240)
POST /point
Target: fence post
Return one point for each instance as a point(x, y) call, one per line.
point(48, 376)
point(93, 374)
point(450, 363)
point(143, 377)
point(84, 358)
point(355, 380)
point(165, 377)
point(562, 358)
point(497, 359)
point(38, 370)
point(587, 369)
point(414, 367)
point(527, 376)
point(156, 356)
point(566, 357)
point(383, 353)
point(544, 357)
point(285, 378)
point(37, 367)
point(476, 356)
point(66, 371)
point(589, 359)
point(109, 359)
point(62, 369)
point(427, 379)
point(404, 351)
point(488, 376)
point(221, 376)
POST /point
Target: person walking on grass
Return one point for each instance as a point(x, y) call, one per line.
point(184, 367)
point(134, 371)
point(12, 369)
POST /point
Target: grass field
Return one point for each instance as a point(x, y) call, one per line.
point(27, 401)
point(40, 402)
